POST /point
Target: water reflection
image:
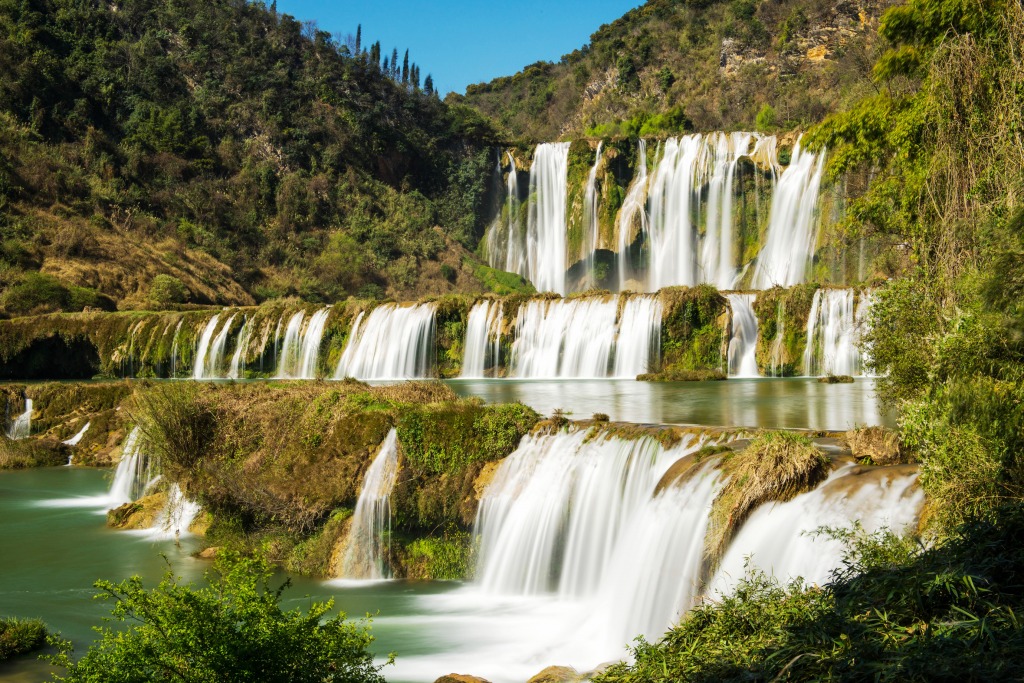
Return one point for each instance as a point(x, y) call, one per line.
point(797, 403)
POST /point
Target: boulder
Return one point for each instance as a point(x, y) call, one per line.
point(557, 674)
point(461, 678)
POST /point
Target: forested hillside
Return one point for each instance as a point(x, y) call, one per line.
point(675, 65)
point(220, 152)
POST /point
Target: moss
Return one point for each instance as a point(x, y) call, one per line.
point(835, 379)
point(693, 327)
point(27, 453)
point(786, 311)
point(675, 374)
point(438, 558)
point(314, 555)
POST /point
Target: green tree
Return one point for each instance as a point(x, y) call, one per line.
point(230, 630)
point(167, 289)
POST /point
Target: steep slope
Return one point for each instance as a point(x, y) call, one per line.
point(226, 146)
point(674, 65)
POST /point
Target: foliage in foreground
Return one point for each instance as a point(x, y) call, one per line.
point(894, 612)
point(18, 636)
point(233, 629)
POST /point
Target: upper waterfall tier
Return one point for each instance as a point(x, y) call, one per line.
point(718, 208)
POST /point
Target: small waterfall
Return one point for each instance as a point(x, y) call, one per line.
point(743, 343)
point(591, 226)
point(134, 474)
point(300, 351)
point(392, 342)
point(364, 557)
point(483, 339)
point(673, 201)
point(176, 517)
point(77, 438)
point(633, 208)
point(780, 539)
point(21, 427)
point(212, 367)
point(792, 227)
point(833, 334)
point(546, 227)
point(175, 352)
point(638, 347)
point(202, 351)
point(241, 345)
point(506, 242)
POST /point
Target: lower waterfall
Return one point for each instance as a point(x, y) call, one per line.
point(300, 352)
point(134, 474)
point(364, 557)
point(176, 517)
point(833, 333)
point(392, 342)
point(21, 427)
point(743, 344)
point(483, 339)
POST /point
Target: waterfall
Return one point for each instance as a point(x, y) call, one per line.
point(174, 348)
point(134, 474)
point(833, 333)
point(199, 360)
point(176, 517)
point(743, 343)
point(364, 557)
point(585, 338)
point(211, 364)
point(241, 344)
point(780, 539)
point(718, 258)
point(673, 232)
point(300, 351)
point(392, 342)
point(632, 208)
point(21, 427)
point(483, 339)
point(506, 242)
point(792, 228)
point(77, 438)
point(591, 225)
point(546, 227)
point(638, 347)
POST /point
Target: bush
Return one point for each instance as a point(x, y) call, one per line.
point(166, 290)
point(230, 630)
point(18, 636)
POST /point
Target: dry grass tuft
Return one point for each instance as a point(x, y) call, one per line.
point(776, 466)
point(880, 445)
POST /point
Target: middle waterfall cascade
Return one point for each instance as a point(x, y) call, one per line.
point(743, 344)
point(238, 358)
point(591, 228)
point(585, 338)
point(833, 333)
point(588, 520)
point(199, 366)
point(792, 228)
point(392, 342)
point(633, 208)
point(300, 351)
point(21, 427)
point(134, 474)
point(364, 556)
point(546, 242)
point(483, 339)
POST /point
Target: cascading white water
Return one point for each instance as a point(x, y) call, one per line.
point(506, 241)
point(241, 346)
point(586, 338)
point(77, 438)
point(483, 334)
point(780, 539)
point(591, 229)
point(176, 517)
point(21, 427)
point(392, 342)
point(205, 339)
point(211, 364)
point(546, 227)
point(718, 259)
point(134, 474)
point(175, 353)
point(364, 552)
point(638, 345)
point(792, 226)
point(743, 343)
point(833, 333)
point(300, 351)
point(633, 211)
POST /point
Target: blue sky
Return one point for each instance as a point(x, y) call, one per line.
point(466, 41)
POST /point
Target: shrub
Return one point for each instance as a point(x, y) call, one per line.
point(232, 629)
point(166, 290)
point(18, 636)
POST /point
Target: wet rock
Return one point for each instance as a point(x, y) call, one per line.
point(461, 678)
point(557, 674)
point(209, 553)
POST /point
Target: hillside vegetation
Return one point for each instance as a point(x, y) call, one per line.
point(220, 152)
point(675, 65)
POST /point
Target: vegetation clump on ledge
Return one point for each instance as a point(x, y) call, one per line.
point(835, 379)
point(18, 636)
point(679, 375)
